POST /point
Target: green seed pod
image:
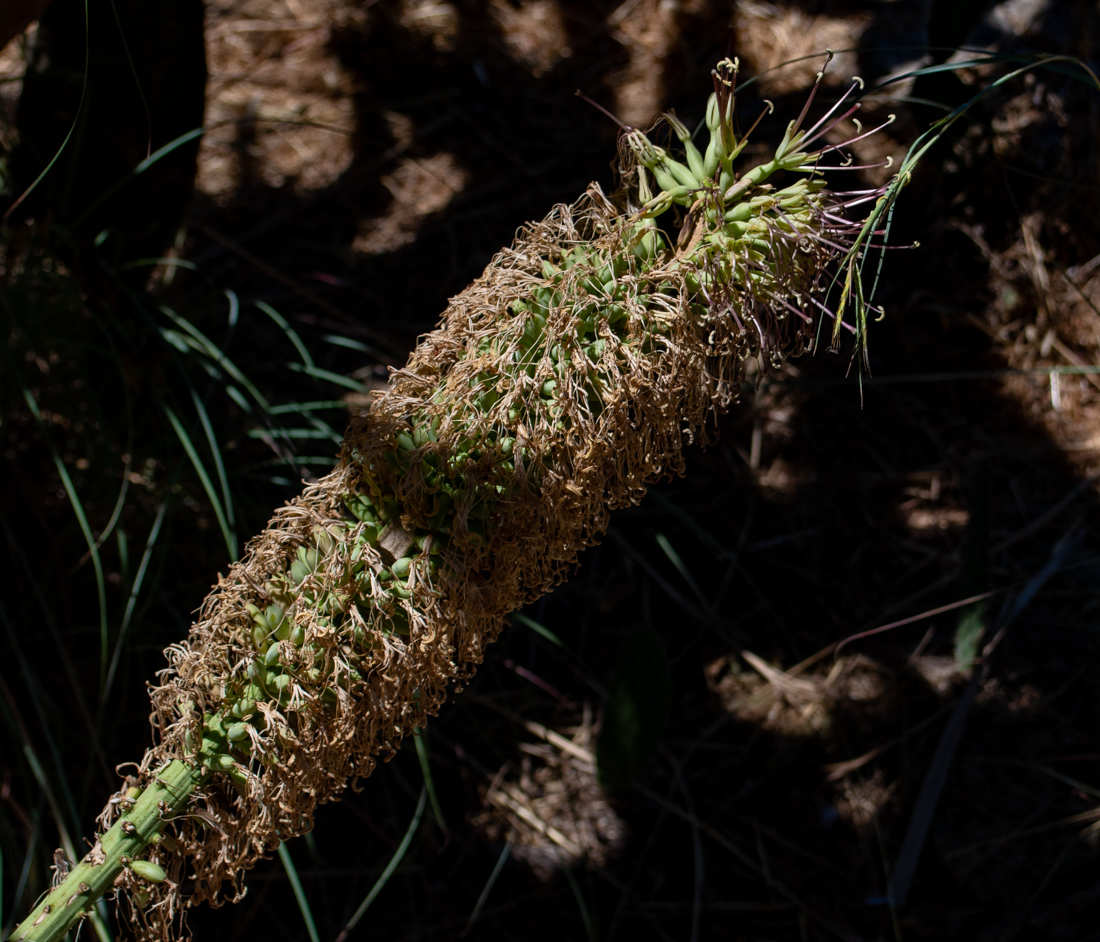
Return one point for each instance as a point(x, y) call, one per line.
point(242, 708)
point(220, 762)
point(283, 631)
point(324, 540)
point(665, 180)
point(273, 615)
point(361, 507)
point(133, 793)
point(259, 635)
point(140, 899)
point(400, 568)
point(237, 732)
point(742, 212)
point(238, 778)
point(297, 635)
point(272, 656)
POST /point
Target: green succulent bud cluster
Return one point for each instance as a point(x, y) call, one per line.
point(749, 252)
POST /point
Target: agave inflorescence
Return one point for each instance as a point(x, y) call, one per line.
point(561, 382)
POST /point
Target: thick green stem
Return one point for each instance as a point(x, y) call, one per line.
point(125, 841)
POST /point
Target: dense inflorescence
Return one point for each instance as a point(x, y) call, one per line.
point(570, 375)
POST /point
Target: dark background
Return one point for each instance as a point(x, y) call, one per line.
point(362, 163)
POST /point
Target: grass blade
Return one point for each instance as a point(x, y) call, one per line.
point(208, 486)
point(201, 343)
point(82, 519)
point(24, 876)
point(688, 521)
point(337, 379)
point(219, 466)
point(882, 214)
point(337, 341)
point(51, 624)
point(297, 433)
point(384, 877)
point(426, 769)
point(291, 333)
point(481, 900)
point(674, 557)
point(586, 916)
point(131, 603)
point(307, 408)
point(299, 893)
point(72, 128)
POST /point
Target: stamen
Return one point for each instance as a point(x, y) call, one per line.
point(599, 107)
point(770, 109)
point(817, 130)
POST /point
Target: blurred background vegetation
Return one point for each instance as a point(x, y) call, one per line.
point(188, 317)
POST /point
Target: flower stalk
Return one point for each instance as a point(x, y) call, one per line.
point(143, 818)
point(563, 381)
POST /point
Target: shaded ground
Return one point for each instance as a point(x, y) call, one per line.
point(362, 164)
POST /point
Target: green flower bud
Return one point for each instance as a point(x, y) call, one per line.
point(149, 871)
